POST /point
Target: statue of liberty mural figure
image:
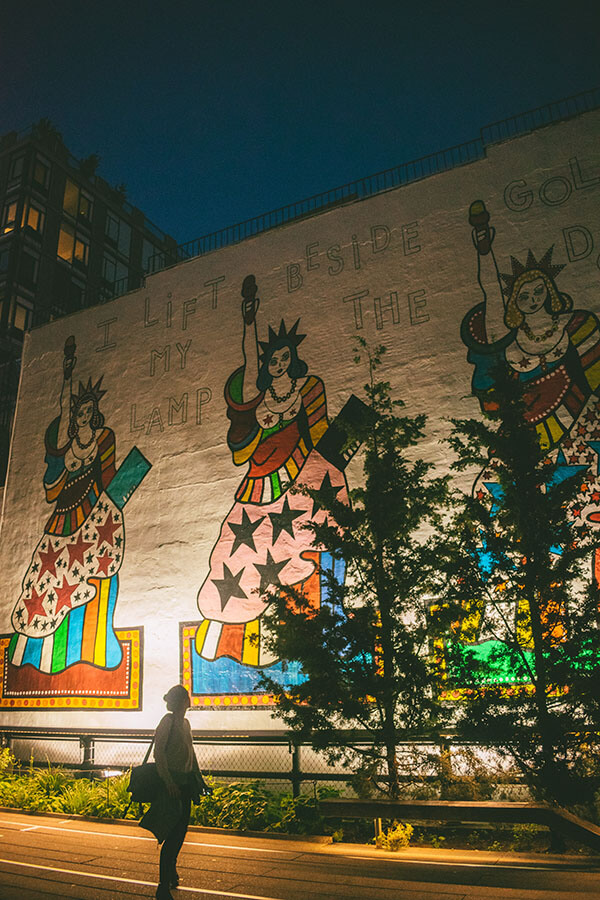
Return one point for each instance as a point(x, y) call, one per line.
point(64, 614)
point(553, 349)
point(278, 414)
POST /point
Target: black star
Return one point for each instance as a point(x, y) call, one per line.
point(269, 571)
point(44, 546)
point(19, 613)
point(53, 622)
point(244, 532)
point(35, 567)
point(283, 521)
point(93, 517)
point(89, 559)
point(77, 597)
point(116, 517)
point(118, 541)
point(117, 557)
point(86, 594)
point(36, 623)
point(44, 626)
point(81, 578)
point(228, 586)
point(329, 493)
point(76, 571)
point(28, 586)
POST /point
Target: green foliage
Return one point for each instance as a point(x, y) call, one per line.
point(8, 761)
point(395, 837)
point(364, 653)
point(516, 573)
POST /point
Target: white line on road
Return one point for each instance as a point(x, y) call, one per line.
point(220, 893)
point(135, 837)
point(462, 865)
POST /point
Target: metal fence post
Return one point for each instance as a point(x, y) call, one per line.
point(88, 747)
point(296, 774)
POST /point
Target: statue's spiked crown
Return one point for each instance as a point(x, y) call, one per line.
point(543, 264)
point(277, 339)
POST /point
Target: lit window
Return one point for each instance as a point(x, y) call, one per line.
point(9, 219)
point(41, 173)
point(80, 252)
point(75, 202)
point(21, 316)
point(66, 242)
point(71, 198)
point(33, 218)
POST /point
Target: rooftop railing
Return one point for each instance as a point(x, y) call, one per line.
point(405, 173)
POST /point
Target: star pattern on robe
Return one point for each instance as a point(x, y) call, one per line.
point(283, 521)
point(35, 605)
point(269, 572)
point(49, 558)
point(104, 561)
point(229, 585)
point(107, 530)
point(329, 493)
point(76, 551)
point(64, 594)
point(244, 532)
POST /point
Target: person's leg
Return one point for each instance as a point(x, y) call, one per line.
point(172, 844)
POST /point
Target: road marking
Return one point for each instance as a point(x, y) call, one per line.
point(135, 837)
point(190, 890)
point(464, 865)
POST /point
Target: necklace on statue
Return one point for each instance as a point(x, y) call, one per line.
point(538, 338)
point(85, 446)
point(283, 397)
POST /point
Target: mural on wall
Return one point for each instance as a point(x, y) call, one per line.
point(279, 432)
point(65, 651)
point(553, 348)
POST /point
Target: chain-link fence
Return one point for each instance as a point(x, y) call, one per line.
point(279, 760)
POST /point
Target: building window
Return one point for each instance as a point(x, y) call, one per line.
point(72, 247)
point(17, 164)
point(21, 316)
point(33, 218)
point(28, 269)
point(41, 173)
point(75, 202)
point(9, 217)
point(119, 233)
point(4, 260)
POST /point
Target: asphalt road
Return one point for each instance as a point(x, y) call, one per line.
point(45, 857)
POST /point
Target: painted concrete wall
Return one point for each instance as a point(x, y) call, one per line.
point(399, 268)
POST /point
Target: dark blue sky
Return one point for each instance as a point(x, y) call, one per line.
point(212, 112)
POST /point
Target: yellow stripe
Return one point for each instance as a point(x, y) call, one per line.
point(318, 430)
point(246, 495)
point(100, 643)
point(317, 402)
point(309, 385)
point(555, 428)
point(105, 455)
point(243, 455)
point(292, 468)
point(201, 634)
point(583, 331)
point(250, 649)
point(593, 375)
point(302, 447)
point(80, 516)
point(542, 434)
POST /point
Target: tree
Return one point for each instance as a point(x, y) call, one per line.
point(520, 624)
point(364, 652)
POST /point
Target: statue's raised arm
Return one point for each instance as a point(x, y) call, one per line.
point(487, 271)
point(69, 361)
point(250, 305)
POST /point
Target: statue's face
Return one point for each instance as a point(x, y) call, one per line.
point(85, 413)
point(279, 362)
point(532, 296)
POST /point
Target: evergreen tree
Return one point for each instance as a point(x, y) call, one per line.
point(520, 621)
point(364, 652)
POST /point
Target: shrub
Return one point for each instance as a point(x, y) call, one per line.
point(395, 837)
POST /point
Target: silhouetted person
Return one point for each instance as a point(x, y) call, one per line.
point(169, 815)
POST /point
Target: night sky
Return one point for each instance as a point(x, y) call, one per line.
point(213, 112)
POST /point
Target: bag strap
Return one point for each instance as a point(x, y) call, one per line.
point(145, 760)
